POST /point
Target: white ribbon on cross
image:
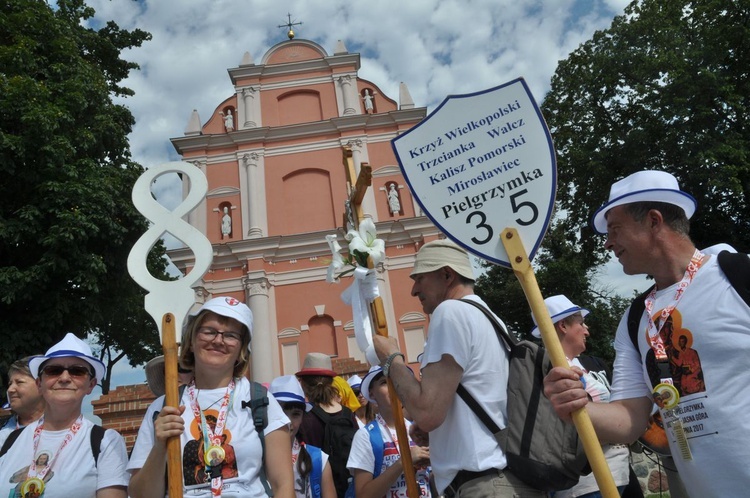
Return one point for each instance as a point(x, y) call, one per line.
point(359, 295)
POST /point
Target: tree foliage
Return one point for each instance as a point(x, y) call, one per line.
point(559, 269)
point(666, 87)
point(66, 219)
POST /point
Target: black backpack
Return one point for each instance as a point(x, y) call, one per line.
point(337, 442)
point(541, 449)
point(97, 434)
point(734, 265)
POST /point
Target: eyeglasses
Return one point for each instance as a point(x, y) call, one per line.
point(73, 371)
point(210, 333)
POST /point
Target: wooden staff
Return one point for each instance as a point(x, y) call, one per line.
point(377, 314)
point(172, 398)
point(525, 273)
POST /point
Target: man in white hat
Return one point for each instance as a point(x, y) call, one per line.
point(462, 347)
point(646, 223)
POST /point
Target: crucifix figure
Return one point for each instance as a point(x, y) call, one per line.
point(358, 185)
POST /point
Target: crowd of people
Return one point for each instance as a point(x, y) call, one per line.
point(315, 434)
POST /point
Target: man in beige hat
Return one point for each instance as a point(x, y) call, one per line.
point(646, 224)
point(462, 347)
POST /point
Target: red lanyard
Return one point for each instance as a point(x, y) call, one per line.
point(653, 333)
point(212, 438)
point(38, 436)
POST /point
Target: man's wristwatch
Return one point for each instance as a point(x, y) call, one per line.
point(389, 360)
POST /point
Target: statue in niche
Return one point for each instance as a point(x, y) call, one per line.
point(226, 223)
point(368, 102)
point(228, 120)
point(394, 204)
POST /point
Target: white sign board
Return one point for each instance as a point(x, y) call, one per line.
point(480, 163)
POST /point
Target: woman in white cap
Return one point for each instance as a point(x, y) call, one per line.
point(375, 461)
point(312, 474)
point(571, 328)
point(221, 450)
point(59, 455)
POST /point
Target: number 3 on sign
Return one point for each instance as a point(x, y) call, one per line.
point(516, 206)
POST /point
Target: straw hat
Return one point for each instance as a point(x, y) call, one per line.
point(374, 372)
point(70, 346)
point(317, 364)
point(439, 253)
point(649, 186)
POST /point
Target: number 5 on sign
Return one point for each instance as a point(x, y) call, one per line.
point(482, 162)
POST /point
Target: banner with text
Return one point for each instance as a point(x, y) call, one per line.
point(482, 162)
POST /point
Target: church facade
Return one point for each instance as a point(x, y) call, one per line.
point(281, 157)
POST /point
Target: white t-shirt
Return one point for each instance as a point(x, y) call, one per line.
point(462, 442)
point(617, 455)
point(242, 446)
point(362, 457)
point(713, 378)
point(302, 486)
point(74, 472)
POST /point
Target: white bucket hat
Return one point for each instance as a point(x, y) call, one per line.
point(653, 186)
point(231, 308)
point(287, 389)
point(355, 381)
point(70, 347)
point(439, 253)
point(559, 307)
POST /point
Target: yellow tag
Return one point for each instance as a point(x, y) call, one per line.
point(682, 442)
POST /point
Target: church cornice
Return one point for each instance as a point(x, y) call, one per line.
point(333, 63)
point(361, 123)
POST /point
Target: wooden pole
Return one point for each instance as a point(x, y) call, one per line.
point(171, 389)
point(525, 273)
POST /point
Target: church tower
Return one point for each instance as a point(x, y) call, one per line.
point(275, 154)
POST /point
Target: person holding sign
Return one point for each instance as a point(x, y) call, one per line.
point(646, 223)
point(571, 328)
point(462, 347)
point(221, 450)
point(64, 454)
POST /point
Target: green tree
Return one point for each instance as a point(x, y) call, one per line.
point(559, 269)
point(666, 87)
point(66, 219)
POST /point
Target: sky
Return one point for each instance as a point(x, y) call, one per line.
point(438, 48)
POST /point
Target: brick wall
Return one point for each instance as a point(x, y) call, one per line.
point(123, 409)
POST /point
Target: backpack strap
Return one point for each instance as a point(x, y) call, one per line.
point(259, 409)
point(316, 458)
point(635, 312)
point(96, 436)
point(510, 343)
point(10, 440)
point(376, 440)
point(736, 267)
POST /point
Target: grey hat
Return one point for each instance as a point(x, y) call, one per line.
point(440, 253)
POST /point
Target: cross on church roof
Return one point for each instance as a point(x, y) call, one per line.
point(289, 24)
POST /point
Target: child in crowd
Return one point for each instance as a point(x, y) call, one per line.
point(374, 460)
point(312, 474)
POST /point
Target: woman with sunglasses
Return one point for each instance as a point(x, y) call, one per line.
point(54, 456)
point(221, 451)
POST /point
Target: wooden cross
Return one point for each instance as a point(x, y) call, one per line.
point(357, 187)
